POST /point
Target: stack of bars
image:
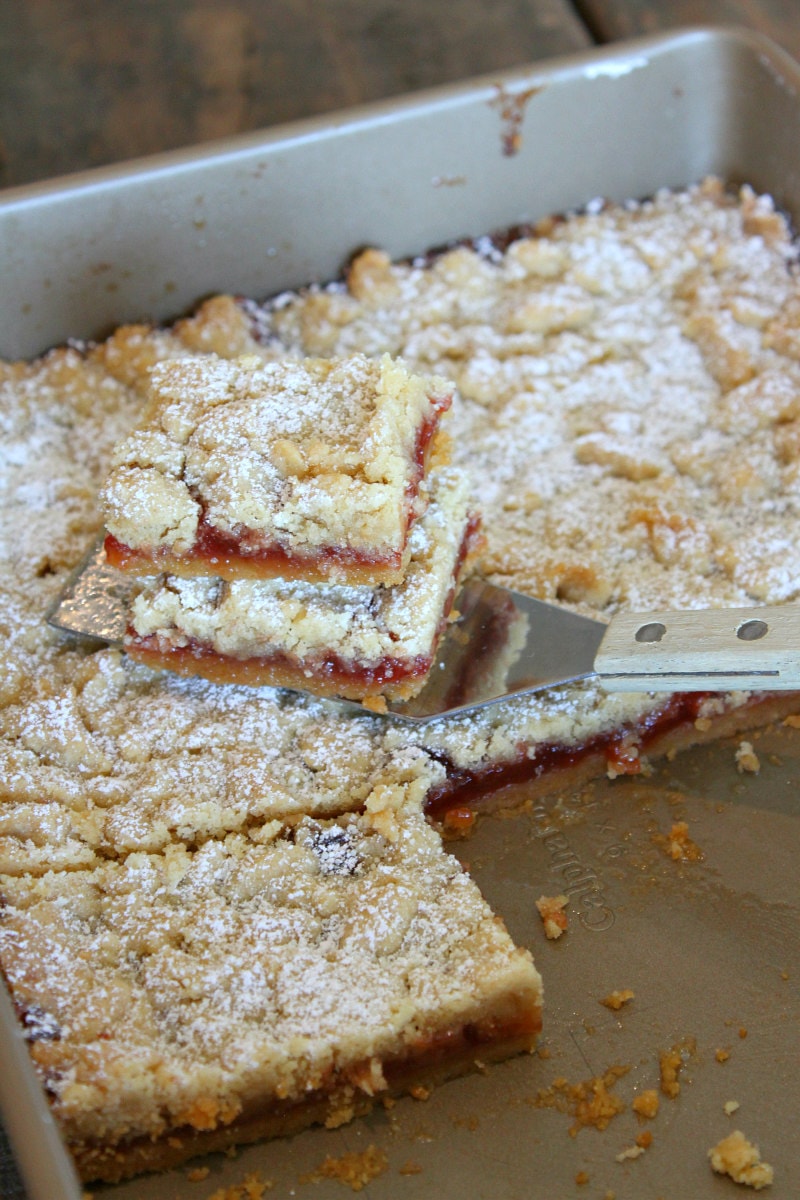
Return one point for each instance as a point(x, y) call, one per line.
point(306, 527)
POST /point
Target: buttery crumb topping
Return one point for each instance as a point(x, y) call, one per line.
point(307, 455)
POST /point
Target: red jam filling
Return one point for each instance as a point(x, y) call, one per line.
point(622, 750)
point(336, 674)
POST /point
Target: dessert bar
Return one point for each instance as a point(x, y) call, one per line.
point(330, 639)
point(302, 470)
point(189, 1000)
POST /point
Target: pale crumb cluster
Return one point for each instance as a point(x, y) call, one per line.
point(741, 1160)
point(747, 761)
point(629, 1152)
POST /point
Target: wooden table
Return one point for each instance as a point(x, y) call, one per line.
point(85, 83)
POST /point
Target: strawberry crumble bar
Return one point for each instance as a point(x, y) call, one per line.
point(303, 470)
point(252, 985)
point(331, 639)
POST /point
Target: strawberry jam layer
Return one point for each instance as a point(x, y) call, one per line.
point(622, 750)
point(326, 675)
point(218, 553)
point(247, 554)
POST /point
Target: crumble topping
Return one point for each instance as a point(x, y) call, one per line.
point(307, 455)
point(627, 398)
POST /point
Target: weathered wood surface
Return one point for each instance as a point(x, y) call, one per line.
point(83, 83)
point(611, 20)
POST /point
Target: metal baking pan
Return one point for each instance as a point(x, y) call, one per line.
point(710, 948)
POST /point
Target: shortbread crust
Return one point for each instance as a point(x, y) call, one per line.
point(299, 469)
point(331, 639)
point(628, 411)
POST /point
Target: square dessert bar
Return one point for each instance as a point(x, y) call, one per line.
point(185, 1001)
point(299, 469)
point(332, 639)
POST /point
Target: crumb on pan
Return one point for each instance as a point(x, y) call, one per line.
point(671, 1063)
point(646, 1104)
point(678, 845)
point(741, 1160)
point(747, 761)
point(252, 1187)
point(616, 999)
point(629, 1152)
point(554, 919)
point(590, 1102)
point(355, 1170)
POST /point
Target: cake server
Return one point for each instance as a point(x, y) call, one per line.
point(505, 644)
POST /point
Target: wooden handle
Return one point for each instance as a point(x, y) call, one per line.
point(753, 649)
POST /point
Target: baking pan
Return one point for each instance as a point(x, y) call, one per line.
point(710, 948)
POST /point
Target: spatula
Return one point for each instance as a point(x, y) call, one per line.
point(505, 644)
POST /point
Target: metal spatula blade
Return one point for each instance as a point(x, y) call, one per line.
point(505, 644)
